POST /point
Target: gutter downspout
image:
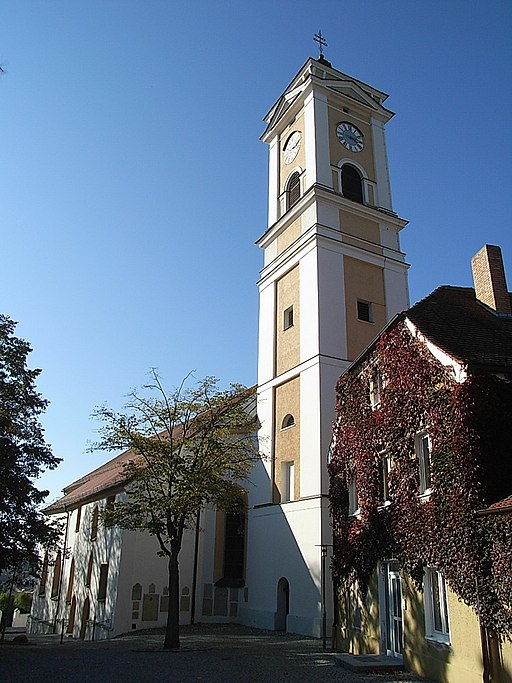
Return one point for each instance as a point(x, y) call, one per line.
point(484, 641)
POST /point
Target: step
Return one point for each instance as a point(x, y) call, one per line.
point(365, 663)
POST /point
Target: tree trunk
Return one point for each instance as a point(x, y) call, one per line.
point(172, 632)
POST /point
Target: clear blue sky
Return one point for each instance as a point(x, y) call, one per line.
point(134, 182)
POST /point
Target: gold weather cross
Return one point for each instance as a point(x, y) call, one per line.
point(321, 42)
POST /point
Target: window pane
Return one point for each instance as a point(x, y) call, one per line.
point(438, 624)
point(293, 190)
point(364, 311)
point(351, 183)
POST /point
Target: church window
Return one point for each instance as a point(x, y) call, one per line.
point(364, 311)
point(234, 543)
point(137, 591)
point(351, 183)
point(293, 190)
point(288, 421)
point(109, 506)
point(78, 519)
point(288, 482)
point(102, 587)
point(94, 523)
point(56, 575)
point(71, 581)
point(231, 529)
point(288, 318)
point(89, 571)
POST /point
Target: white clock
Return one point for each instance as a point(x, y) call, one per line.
point(350, 136)
point(291, 147)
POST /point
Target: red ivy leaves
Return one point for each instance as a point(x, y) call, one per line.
point(471, 466)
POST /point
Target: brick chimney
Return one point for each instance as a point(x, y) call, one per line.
point(489, 279)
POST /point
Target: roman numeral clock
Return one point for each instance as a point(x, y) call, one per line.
point(350, 136)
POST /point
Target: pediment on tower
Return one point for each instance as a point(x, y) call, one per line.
point(282, 105)
point(353, 90)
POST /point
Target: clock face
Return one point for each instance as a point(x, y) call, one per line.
point(350, 136)
point(291, 147)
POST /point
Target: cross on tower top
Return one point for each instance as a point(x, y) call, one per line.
point(321, 42)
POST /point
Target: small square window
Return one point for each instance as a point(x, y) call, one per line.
point(364, 311)
point(288, 318)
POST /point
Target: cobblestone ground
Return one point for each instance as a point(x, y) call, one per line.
point(216, 654)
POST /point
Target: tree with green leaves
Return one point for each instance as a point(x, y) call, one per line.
point(24, 455)
point(191, 447)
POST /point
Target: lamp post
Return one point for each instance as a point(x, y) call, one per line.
point(323, 547)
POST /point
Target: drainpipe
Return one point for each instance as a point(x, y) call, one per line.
point(484, 640)
point(61, 572)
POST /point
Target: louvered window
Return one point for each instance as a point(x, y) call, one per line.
point(293, 189)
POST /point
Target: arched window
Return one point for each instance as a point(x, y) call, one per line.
point(293, 190)
point(234, 543)
point(89, 571)
point(94, 523)
point(71, 581)
point(288, 421)
point(351, 183)
point(56, 575)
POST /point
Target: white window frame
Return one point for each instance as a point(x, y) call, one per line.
point(425, 469)
point(371, 319)
point(375, 389)
point(435, 599)
point(288, 318)
point(353, 500)
point(385, 465)
point(287, 419)
point(288, 481)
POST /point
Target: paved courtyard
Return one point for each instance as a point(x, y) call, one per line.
point(216, 654)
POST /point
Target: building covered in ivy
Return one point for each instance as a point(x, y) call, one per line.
point(420, 476)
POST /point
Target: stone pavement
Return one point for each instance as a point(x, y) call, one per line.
point(209, 653)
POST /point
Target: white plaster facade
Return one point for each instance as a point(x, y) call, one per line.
point(136, 591)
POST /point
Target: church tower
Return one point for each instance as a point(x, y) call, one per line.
point(333, 275)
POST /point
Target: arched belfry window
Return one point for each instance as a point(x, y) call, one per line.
point(351, 183)
point(293, 190)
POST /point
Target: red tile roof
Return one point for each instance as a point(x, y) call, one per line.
point(501, 507)
point(467, 330)
point(108, 476)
